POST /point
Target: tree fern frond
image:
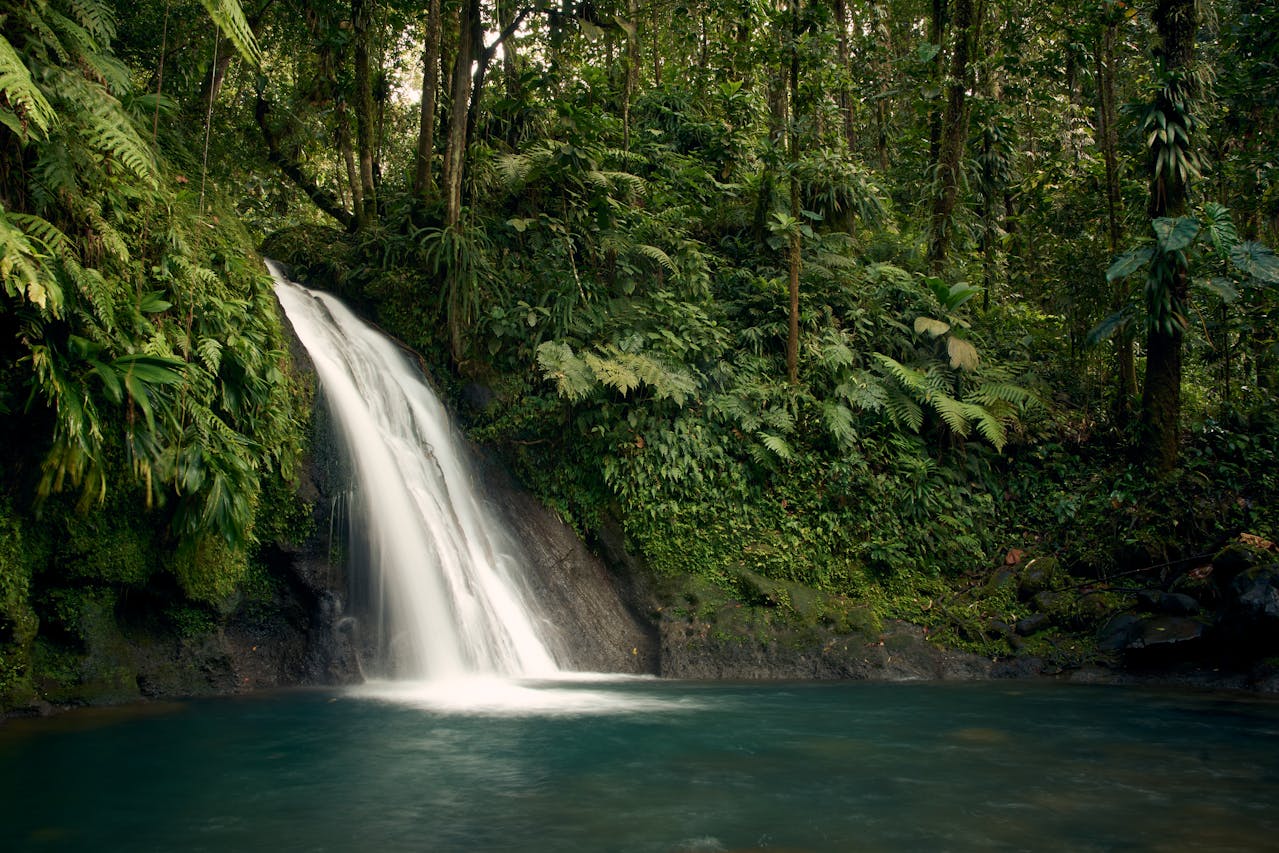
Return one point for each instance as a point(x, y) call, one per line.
point(953, 412)
point(778, 418)
point(56, 174)
point(75, 39)
point(26, 104)
point(96, 17)
point(776, 445)
point(988, 393)
point(229, 16)
point(838, 420)
point(903, 410)
point(991, 429)
point(573, 378)
point(735, 409)
point(49, 236)
point(209, 351)
point(112, 133)
point(863, 390)
point(907, 376)
point(612, 373)
point(23, 269)
point(655, 254)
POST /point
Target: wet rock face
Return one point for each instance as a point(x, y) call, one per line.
point(699, 649)
point(594, 612)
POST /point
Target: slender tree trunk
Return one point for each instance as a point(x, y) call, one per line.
point(361, 14)
point(657, 50)
point(1108, 138)
point(459, 111)
point(343, 119)
point(1176, 23)
point(792, 334)
point(953, 138)
point(937, 35)
point(884, 73)
point(845, 72)
point(632, 71)
point(423, 175)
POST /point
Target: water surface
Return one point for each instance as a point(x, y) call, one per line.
point(647, 765)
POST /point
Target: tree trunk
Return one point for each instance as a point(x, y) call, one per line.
point(884, 72)
point(1108, 138)
point(845, 71)
point(792, 334)
point(1175, 21)
point(459, 111)
point(348, 153)
point(936, 35)
point(632, 71)
point(361, 13)
point(953, 138)
point(423, 176)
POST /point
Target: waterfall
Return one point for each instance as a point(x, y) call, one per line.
point(448, 597)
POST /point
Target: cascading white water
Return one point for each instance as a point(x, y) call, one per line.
point(451, 598)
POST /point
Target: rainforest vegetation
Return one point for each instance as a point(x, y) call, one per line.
point(864, 299)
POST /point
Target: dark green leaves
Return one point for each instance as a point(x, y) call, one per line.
point(1129, 262)
point(1257, 261)
point(1174, 235)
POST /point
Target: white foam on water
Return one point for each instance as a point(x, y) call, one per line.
point(492, 696)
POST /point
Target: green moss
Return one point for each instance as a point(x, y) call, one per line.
point(209, 570)
point(18, 622)
point(109, 544)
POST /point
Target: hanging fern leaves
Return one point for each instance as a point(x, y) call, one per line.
point(23, 266)
point(24, 106)
point(229, 16)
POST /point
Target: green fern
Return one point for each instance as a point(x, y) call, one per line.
point(229, 16)
point(26, 104)
point(96, 17)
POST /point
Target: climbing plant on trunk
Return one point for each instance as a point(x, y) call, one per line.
point(1172, 160)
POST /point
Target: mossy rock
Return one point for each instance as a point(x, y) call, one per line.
point(1041, 574)
point(107, 546)
point(1237, 557)
point(210, 571)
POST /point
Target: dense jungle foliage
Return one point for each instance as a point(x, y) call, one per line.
point(869, 298)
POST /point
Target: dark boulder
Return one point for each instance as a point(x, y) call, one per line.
point(1039, 575)
point(1168, 603)
point(1032, 623)
point(1251, 619)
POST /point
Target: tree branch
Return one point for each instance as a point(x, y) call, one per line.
point(321, 197)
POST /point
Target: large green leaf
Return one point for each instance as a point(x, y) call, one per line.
point(1175, 234)
point(1110, 326)
point(1257, 261)
point(1129, 262)
point(1223, 288)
